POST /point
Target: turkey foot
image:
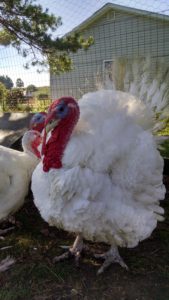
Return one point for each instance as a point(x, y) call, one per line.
point(111, 256)
point(75, 251)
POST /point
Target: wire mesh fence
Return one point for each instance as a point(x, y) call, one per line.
point(123, 30)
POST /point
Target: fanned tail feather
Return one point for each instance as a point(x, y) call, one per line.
point(148, 80)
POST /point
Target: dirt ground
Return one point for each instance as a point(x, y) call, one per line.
point(35, 277)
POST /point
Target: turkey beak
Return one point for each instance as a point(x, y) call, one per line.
point(51, 124)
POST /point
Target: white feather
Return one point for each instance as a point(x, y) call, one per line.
point(147, 79)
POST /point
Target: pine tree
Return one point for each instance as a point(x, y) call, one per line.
point(29, 28)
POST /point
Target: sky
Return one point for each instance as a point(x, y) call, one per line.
point(72, 12)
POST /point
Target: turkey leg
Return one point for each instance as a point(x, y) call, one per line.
point(75, 251)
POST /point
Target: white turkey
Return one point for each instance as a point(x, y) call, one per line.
point(16, 171)
point(102, 177)
point(17, 167)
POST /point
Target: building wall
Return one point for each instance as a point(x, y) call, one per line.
point(116, 35)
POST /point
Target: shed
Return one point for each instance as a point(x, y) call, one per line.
point(118, 32)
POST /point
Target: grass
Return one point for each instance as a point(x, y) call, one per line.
point(35, 277)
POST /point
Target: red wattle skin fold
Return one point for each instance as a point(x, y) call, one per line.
point(37, 127)
point(44, 143)
point(53, 151)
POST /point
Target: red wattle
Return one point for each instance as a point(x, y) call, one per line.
point(44, 143)
point(53, 150)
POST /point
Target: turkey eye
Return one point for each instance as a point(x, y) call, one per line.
point(61, 109)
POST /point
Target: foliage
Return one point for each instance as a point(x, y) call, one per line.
point(164, 149)
point(41, 105)
point(14, 97)
point(29, 28)
point(22, 105)
point(15, 100)
point(31, 88)
point(5, 38)
point(19, 83)
point(165, 130)
point(43, 96)
point(7, 81)
point(42, 90)
point(3, 94)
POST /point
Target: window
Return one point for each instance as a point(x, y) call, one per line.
point(108, 70)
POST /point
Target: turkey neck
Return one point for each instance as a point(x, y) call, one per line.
point(31, 149)
point(53, 150)
point(34, 146)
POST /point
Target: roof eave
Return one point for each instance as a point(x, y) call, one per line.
point(116, 7)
